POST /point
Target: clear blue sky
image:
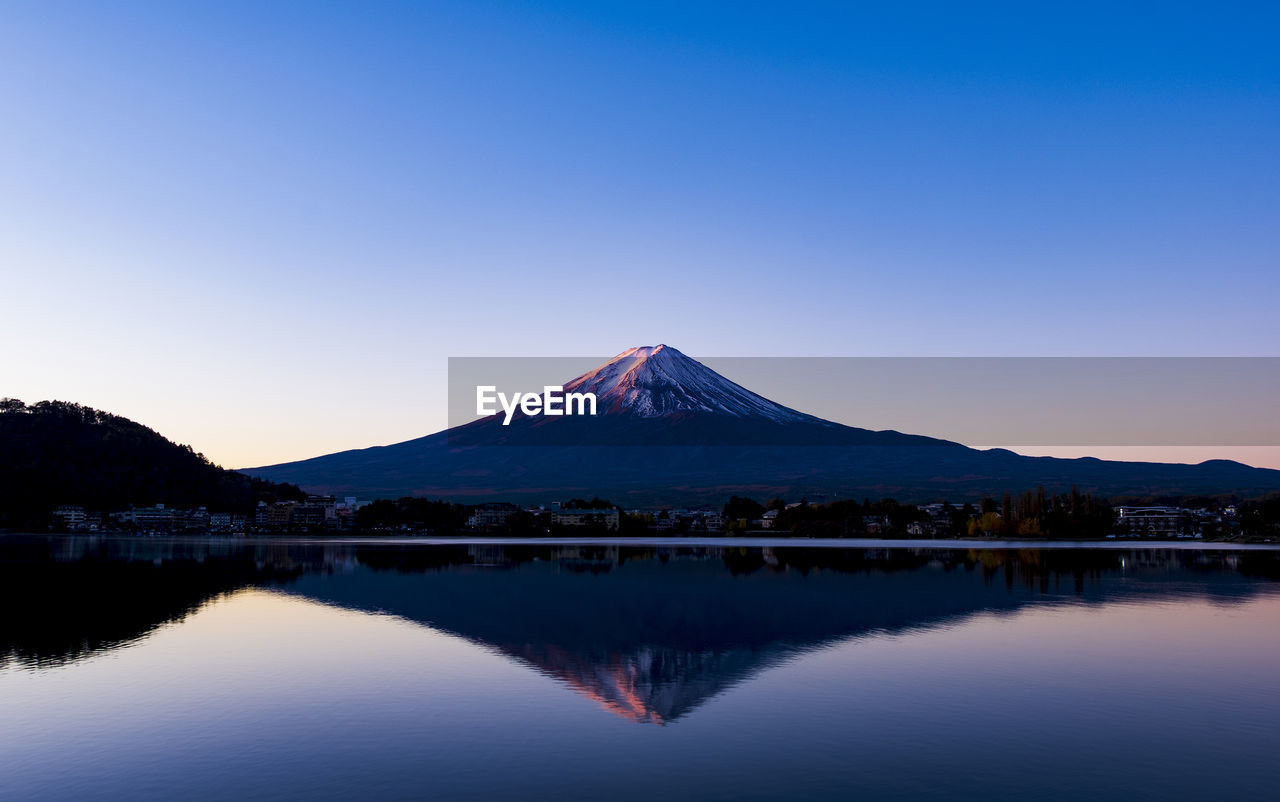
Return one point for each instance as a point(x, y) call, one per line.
point(261, 228)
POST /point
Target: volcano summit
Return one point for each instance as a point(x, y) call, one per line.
point(656, 396)
point(669, 430)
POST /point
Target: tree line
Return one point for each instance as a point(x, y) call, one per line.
point(1029, 514)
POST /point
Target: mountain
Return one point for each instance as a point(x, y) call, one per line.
point(55, 452)
point(669, 430)
point(655, 396)
point(659, 381)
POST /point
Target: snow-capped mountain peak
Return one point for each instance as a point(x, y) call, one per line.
point(653, 381)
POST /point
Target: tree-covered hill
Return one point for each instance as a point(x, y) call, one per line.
point(55, 452)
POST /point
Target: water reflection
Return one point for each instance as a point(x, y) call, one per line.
point(68, 598)
point(649, 634)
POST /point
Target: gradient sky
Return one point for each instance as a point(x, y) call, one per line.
point(262, 228)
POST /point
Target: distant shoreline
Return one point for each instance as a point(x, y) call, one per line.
point(676, 542)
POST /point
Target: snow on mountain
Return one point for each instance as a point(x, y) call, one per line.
point(702, 437)
point(657, 381)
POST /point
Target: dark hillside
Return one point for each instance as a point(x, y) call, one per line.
point(55, 452)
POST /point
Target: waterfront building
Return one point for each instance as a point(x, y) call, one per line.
point(609, 518)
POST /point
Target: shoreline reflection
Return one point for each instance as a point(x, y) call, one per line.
point(648, 634)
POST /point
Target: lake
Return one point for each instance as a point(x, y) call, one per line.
point(149, 668)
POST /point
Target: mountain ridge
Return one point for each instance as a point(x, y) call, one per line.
point(653, 381)
point(672, 431)
point(647, 385)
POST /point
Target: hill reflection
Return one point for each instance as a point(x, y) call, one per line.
point(649, 634)
point(68, 598)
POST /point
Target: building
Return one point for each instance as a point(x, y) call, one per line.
point(306, 517)
point(608, 519)
point(196, 520)
point(346, 510)
point(70, 517)
point(491, 516)
point(328, 506)
point(157, 517)
point(1154, 521)
point(221, 520)
point(280, 514)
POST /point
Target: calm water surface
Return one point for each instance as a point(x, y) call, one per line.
point(162, 669)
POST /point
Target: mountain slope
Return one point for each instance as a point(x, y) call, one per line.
point(656, 396)
point(55, 452)
point(672, 431)
point(659, 381)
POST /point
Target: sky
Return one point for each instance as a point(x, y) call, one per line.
point(263, 228)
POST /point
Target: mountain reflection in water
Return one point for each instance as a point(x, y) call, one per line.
point(647, 633)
